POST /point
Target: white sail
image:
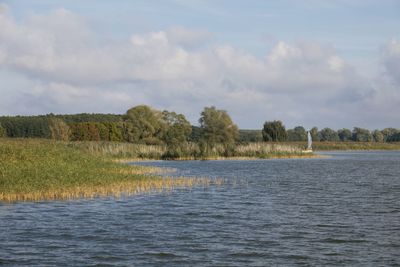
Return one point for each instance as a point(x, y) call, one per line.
point(309, 139)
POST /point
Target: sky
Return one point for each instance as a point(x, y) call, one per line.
point(308, 62)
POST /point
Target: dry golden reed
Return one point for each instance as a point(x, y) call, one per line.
point(190, 151)
point(117, 189)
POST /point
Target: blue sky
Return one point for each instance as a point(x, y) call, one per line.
point(260, 59)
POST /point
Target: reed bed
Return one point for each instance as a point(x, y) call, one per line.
point(143, 170)
point(120, 150)
point(190, 151)
point(116, 189)
point(265, 150)
point(34, 170)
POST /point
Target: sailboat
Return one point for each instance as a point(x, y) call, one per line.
point(309, 143)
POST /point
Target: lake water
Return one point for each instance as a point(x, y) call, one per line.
point(341, 210)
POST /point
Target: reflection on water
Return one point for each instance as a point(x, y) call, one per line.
point(341, 210)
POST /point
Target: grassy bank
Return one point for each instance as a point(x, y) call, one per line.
point(33, 170)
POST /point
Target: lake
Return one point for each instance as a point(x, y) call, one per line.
point(339, 210)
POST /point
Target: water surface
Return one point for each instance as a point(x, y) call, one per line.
point(342, 210)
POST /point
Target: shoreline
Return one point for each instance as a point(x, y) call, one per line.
point(287, 156)
point(358, 150)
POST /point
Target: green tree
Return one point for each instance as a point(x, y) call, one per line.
point(176, 133)
point(84, 131)
point(85, 117)
point(274, 131)
point(345, 135)
point(104, 133)
point(297, 134)
point(218, 128)
point(59, 130)
point(248, 136)
point(327, 134)
point(143, 124)
point(314, 134)
point(377, 136)
point(394, 137)
point(361, 135)
point(114, 131)
point(2, 131)
point(26, 126)
point(195, 136)
point(389, 133)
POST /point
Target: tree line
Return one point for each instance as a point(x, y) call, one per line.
point(146, 125)
point(275, 131)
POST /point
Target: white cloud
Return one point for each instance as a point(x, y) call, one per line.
point(188, 38)
point(336, 63)
point(391, 58)
point(71, 69)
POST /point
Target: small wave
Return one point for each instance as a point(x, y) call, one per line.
point(162, 254)
point(298, 257)
point(332, 226)
point(342, 241)
point(246, 254)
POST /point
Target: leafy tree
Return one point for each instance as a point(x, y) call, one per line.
point(389, 133)
point(345, 134)
point(195, 136)
point(85, 131)
point(377, 136)
point(217, 128)
point(246, 136)
point(361, 135)
point(297, 134)
point(274, 131)
point(85, 117)
point(394, 137)
point(291, 135)
point(2, 131)
point(59, 130)
point(143, 124)
point(314, 134)
point(114, 131)
point(26, 126)
point(103, 131)
point(176, 133)
point(327, 134)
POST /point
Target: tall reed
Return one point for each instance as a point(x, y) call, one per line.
point(189, 150)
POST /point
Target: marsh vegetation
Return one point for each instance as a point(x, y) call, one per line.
point(33, 170)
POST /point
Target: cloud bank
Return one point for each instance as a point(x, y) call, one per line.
point(57, 63)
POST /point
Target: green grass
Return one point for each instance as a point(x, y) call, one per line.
point(35, 170)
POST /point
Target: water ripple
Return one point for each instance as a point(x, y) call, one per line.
point(338, 211)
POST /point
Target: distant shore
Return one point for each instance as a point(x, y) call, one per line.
point(360, 146)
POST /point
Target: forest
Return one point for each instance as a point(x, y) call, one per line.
point(145, 125)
